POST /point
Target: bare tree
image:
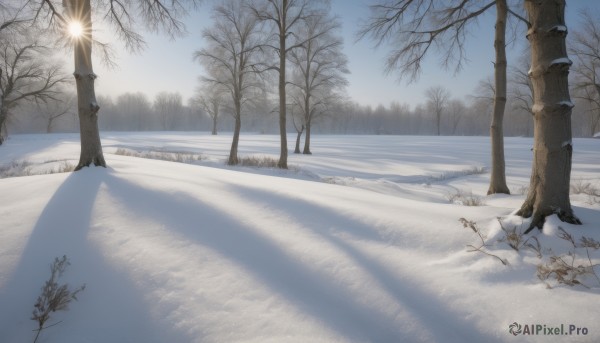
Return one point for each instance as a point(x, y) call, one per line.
point(437, 100)
point(485, 91)
point(53, 110)
point(76, 21)
point(12, 18)
point(25, 74)
point(498, 173)
point(456, 112)
point(414, 26)
point(229, 58)
point(319, 68)
point(553, 146)
point(134, 111)
point(169, 107)
point(298, 121)
point(285, 16)
point(210, 99)
point(522, 91)
point(585, 47)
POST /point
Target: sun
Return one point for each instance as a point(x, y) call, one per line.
point(75, 29)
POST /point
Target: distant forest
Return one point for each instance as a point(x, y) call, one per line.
point(168, 112)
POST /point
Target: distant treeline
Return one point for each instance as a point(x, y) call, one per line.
point(167, 112)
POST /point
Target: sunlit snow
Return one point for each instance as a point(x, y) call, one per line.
point(356, 243)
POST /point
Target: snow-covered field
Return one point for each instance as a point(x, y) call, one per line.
point(360, 242)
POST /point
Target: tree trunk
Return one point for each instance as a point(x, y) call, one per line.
point(3, 114)
point(595, 114)
point(91, 148)
point(214, 126)
point(438, 115)
point(297, 149)
point(553, 147)
point(49, 125)
point(455, 126)
point(282, 112)
point(306, 150)
point(233, 153)
point(498, 177)
point(282, 96)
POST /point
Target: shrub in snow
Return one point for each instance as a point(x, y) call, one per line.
point(179, 157)
point(466, 199)
point(54, 297)
point(14, 169)
point(511, 236)
point(571, 269)
point(259, 161)
point(474, 170)
point(63, 167)
point(523, 190)
point(514, 239)
point(482, 247)
point(581, 187)
point(575, 267)
point(27, 168)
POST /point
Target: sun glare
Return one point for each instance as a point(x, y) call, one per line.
point(75, 29)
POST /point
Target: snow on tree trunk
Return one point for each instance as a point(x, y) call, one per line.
point(91, 148)
point(498, 177)
point(553, 147)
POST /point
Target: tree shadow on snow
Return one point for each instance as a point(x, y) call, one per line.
point(283, 274)
point(109, 296)
point(271, 264)
point(444, 323)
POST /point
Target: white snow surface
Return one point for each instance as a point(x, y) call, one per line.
point(355, 243)
point(562, 60)
point(540, 106)
point(558, 28)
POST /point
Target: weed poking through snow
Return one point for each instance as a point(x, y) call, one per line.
point(27, 168)
point(466, 199)
point(54, 297)
point(514, 239)
point(474, 170)
point(582, 187)
point(258, 161)
point(570, 268)
point(179, 157)
point(481, 248)
point(263, 162)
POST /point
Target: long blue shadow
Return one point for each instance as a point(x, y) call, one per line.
point(444, 323)
point(62, 229)
point(319, 298)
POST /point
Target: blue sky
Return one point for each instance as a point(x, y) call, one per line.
point(167, 65)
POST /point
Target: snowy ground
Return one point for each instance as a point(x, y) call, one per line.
point(356, 243)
